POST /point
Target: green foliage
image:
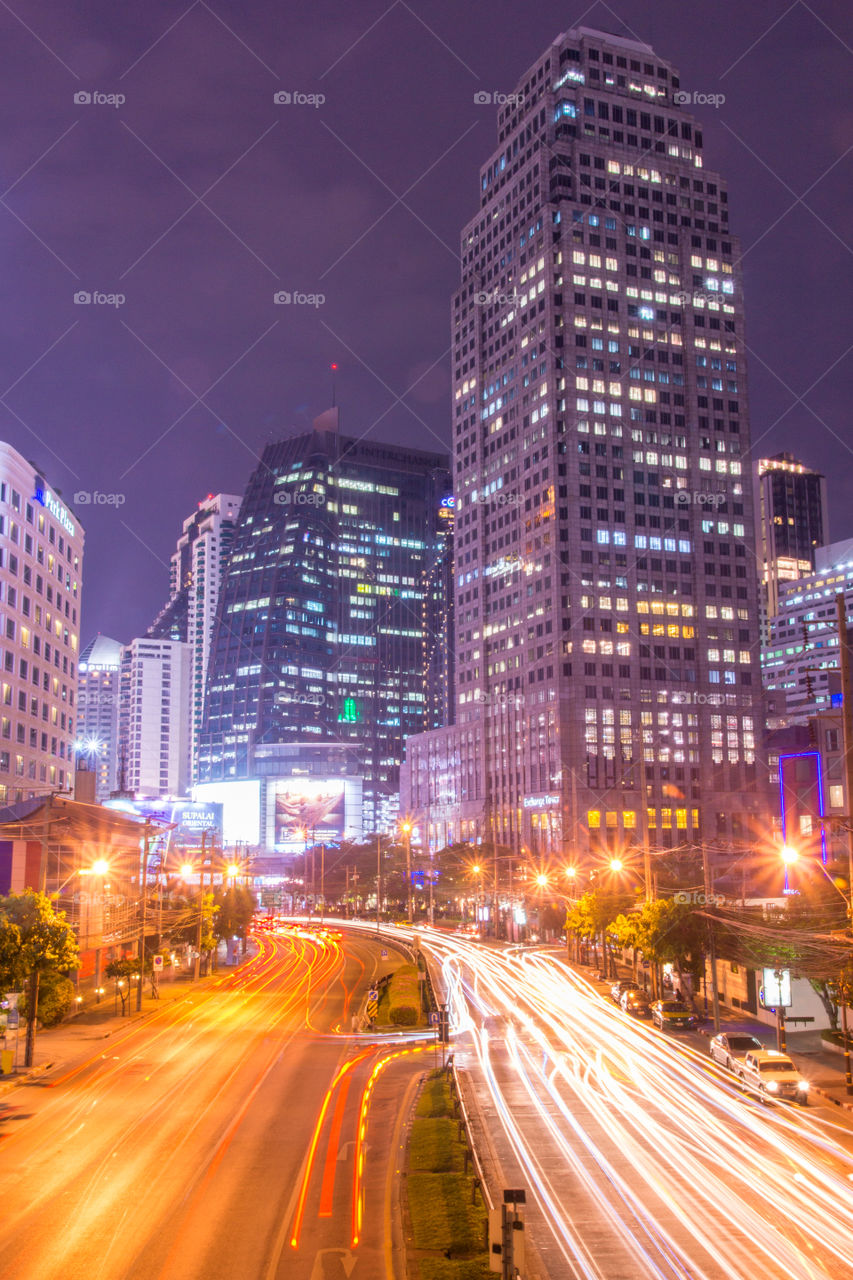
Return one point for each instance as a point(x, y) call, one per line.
point(444, 1219)
point(33, 938)
point(665, 931)
point(595, 911)
point(234, 909)
point(56, 998)
point(404, 1015)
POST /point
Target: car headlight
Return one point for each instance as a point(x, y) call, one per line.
point(802, 1086)
point(772, 1086)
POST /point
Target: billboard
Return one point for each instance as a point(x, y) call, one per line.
point(313, 810)
point(240, 802)
point(179, 825)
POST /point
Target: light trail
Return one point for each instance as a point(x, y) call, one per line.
point(613, 1123)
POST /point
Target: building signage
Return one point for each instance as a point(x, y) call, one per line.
point(54, 506)
point(541, 802)
point(776, 986)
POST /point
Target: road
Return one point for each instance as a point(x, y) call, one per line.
point(641, 1158)
point(232, 1134)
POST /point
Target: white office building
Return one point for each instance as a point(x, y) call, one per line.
point(98, 697)
point(154, 753)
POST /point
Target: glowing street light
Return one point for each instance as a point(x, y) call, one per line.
point(616, 864)
point(542, 880)
point(789, 854)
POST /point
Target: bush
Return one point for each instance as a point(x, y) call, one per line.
point(404, 1015)
point(56, 998)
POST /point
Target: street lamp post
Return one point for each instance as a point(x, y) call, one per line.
point(406, 828)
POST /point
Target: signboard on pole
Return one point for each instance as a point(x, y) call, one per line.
point(776, 985)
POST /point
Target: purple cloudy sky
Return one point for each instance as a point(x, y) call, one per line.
point(198, 197)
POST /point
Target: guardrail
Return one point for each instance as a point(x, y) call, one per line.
point(464, 1131)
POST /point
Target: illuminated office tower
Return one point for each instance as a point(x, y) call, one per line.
point(791, 515)
point(316, 673)
point(606, 592)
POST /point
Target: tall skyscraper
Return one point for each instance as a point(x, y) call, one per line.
point(316, 667)
point(41, 556)
point(154, 750)
point(606, 593)
point(791, 514)
point(439, 664)
point(98, 699)
point(195, 579)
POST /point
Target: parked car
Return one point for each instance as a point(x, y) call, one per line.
point(731, 1047)
point(619, 988)
point(673, 1015)
point(772, 1075)
point(636, 1003)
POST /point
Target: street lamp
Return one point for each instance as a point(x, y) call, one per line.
point(406, 828)
point(616, 864)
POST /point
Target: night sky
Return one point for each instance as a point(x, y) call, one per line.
point(199, 197)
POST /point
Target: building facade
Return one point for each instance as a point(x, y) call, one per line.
point(154, 737)
point(792, 522)
point(194, 580)
point(98, 699)
point(606, 594)
point(316, 667)
point(41, 558)
point(800, 663)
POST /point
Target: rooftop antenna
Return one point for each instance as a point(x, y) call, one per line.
point(334, 370)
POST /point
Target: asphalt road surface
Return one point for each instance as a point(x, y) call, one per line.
point(640, 1158)
point(241, 1132)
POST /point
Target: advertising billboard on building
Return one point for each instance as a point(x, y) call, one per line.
point(240, 801)
point(313, 810)
point(179, 825)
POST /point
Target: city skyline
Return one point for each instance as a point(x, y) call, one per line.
point(97, 186)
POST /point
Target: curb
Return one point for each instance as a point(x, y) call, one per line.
point(845, 1106)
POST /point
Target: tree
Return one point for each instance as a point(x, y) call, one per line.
point(123, 972)
point(235, 909)
point(46, 942)
point(593, 913)
point(665, 931)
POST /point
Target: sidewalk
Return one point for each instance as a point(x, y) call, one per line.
point(81, 1033)
point(823, 1068)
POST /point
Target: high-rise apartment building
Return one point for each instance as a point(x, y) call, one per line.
point(41, 555)
point(801, 661)
point(316, 668)
point(195, 578)
point(791, 515)
point(606, 592)
point(98, 700)
point(439, 665)
point(154, 750)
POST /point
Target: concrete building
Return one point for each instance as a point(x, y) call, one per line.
point(154, 752)
point(41, 557)
point(800, 661)
point(195, 579)
point(606, 594)
point(792, 522)
point(98, 699)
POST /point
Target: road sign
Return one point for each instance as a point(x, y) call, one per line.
point(13, 1019)
point(157, 962)
point(384, 954)
point(434, 1019)
point(372, 1008)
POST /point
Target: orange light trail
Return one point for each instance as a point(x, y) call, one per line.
point(357, 1198)
point(312, 1150)
point(327, 1190)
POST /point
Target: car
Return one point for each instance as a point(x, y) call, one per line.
point(730, 1047)
point(619, 988)
point(772, 1075)
point(636, 1003)
point(673, 1015)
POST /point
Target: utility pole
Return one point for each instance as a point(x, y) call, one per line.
point(322, 882)
point(847, 724)
point(712, 946)
point(143, 905)
point(197, 968)
point(378, 877)
point(431, 905)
